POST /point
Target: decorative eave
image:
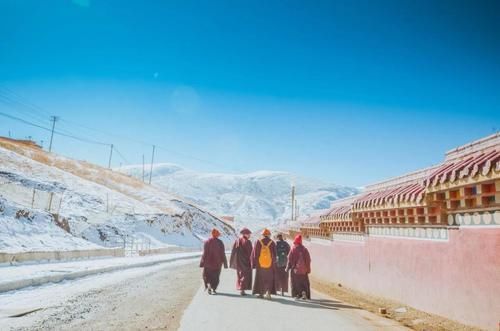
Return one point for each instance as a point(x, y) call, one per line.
point(391, 197)
point(466, 181)
point(471, 168)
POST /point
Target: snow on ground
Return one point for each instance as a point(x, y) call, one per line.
point(34, 231)
point(80, 297)
point(256, 199)
point(96, 206)
point(35, 270)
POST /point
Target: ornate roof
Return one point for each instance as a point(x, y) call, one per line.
point(467, 166)
point(479, 157)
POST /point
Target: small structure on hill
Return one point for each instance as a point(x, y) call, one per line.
point(25, 142)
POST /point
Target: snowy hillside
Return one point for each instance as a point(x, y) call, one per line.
point(255, 199)
point(50, 202)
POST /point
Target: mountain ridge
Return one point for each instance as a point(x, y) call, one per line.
point(255, 199)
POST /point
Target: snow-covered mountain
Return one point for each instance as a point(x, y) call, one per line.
point(255, 199)
point(49, 202)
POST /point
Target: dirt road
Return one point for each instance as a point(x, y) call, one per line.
point(148, 298)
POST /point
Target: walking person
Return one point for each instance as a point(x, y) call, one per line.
point(299, 265)
point(212, 260)
point(263, 260)
point(282, 251)
point(240, 260)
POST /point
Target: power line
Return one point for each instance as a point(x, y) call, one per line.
point(26, 102)
point(21, 108)
point(38, 111)
point(121, 156)
point(23, 121)
point(137, 141)
point(90, 141)
point(145, 143)
point(85, 140)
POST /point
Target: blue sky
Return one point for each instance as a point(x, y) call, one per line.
point(346, 91)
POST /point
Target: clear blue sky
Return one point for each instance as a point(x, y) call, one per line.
point(347, 91)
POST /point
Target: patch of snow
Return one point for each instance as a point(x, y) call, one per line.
point(256, 199)
point(104, 212)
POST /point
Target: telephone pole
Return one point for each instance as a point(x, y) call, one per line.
point(296, 210)
point(110, 156)
point(143, 168)
point(152, 160)
point(54, 120)
point(293, 203)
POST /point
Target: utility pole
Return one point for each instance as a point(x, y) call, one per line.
point(152, 160)
point(293, 203)
point(33, 198)
point(54, 120)
point(296, 210)
point(110, 156)
point(50, 200)
point(60, 203)
point(143, 168)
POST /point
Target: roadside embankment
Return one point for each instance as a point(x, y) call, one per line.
point(22, 276)
point(60, 255)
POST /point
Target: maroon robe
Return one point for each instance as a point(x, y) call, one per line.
point(212, 260)
point(300, 283)
point(241, 261)
point(281, 275)
point(264, 278)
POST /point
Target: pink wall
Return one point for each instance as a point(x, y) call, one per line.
point(458, 279)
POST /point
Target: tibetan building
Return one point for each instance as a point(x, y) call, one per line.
point(463, 190)
point(429, 239)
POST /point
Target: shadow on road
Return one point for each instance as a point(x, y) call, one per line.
point(232, 295)
point(313, 303)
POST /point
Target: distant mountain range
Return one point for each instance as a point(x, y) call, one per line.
point(255, 199)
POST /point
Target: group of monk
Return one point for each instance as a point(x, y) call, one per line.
point(274, 262)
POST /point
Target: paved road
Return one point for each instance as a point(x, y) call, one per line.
point(229, 311)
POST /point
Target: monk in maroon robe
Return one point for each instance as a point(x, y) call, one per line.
point(212, 260)
point(241, 261)
point(299, 264)
point(264, 261)
point(281, 275)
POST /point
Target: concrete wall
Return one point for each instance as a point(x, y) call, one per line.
point(166, 250)
point(63, 255)
point(458, 278)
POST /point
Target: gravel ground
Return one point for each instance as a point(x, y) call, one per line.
point(153, 300)
point(408, 316)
